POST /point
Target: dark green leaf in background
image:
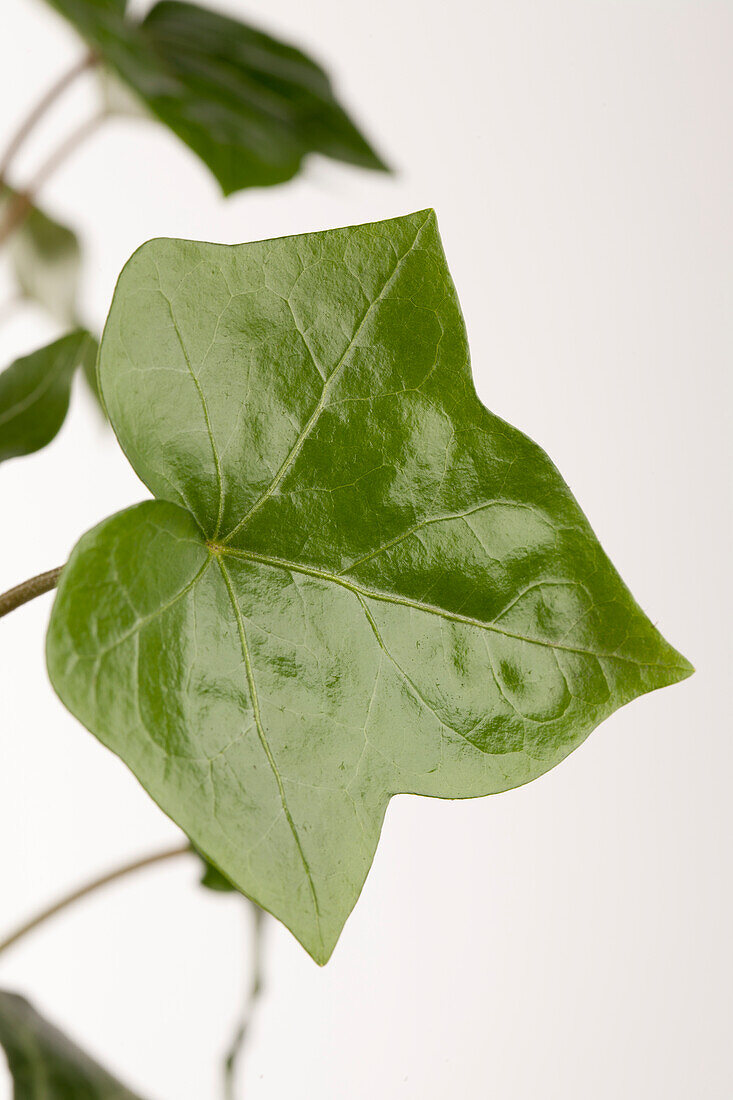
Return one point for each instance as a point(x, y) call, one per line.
point(46, 260)
point(211, 876)
point(250, 106)
point(35, 391)
point(44, 1064)
point(213, 879)
point(355, 580)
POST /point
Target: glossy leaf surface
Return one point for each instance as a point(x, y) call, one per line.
point(34, 394)
point(355, 581)
point(44, 1064)
point(249, 105)
point(46, 260)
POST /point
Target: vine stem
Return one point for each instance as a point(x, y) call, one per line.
point(20, 206)
point(46, 101)
point(90, 888)
point(28, 590)
point(236, 1048)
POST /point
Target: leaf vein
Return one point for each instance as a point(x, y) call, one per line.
point(321, 404)
point(263, 738)
point(431, 609)
point(205, 409)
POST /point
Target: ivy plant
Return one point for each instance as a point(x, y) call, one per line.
point(351, 580)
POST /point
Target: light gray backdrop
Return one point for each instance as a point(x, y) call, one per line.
point(568, 940)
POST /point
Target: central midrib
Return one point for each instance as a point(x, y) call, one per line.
point(328, 386)
point(430, 609)
point(263, 738)
point(204, 406)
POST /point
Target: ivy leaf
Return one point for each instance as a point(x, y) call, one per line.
point(355, 580)
point(250, 106)
point(34, 394)
point(44, 1064)
point(46, 260)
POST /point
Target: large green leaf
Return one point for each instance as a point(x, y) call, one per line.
point(35, 391)
point(355, 581)
point(45, 1064)
point(249, 105)
point(46, 260)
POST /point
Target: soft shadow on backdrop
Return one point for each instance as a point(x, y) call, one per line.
point(568, 939)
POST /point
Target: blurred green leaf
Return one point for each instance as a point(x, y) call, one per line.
point(46, 261)
point(44, 1064)
point(34, 394)
point(251, 106)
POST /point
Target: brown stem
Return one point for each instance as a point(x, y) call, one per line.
point(16, 212)
point(36, 114)
point(20, 205)
point(28, 590)
point(90, 888)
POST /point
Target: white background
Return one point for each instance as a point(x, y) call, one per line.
point(571, 939)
